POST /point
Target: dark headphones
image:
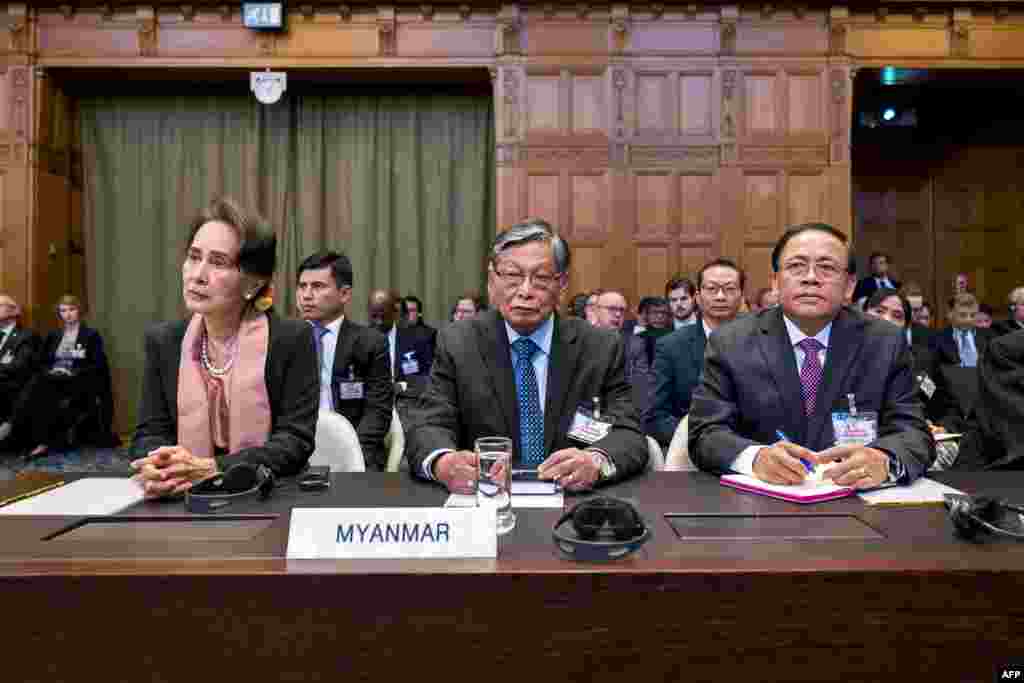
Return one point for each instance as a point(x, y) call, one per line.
point(239, 482)
point(974, 516)
point(604, 529)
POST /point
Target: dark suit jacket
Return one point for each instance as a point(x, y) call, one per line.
point(23, 348)
point(414, 342)
point(293, 386)
point(678, 362)
point(751, 388)
point(868, 286)
point(945, 351)
point(1001, 327)
point(361, 354)
point(472, 392)
point(995, 437)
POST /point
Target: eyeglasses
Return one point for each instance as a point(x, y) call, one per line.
point(826, 271)
point(713, 290)
point(515, 278)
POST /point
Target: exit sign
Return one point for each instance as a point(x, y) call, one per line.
point(266, 15)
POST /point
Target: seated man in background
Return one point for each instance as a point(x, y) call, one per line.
point(1016, 320)
point(410, 348)
point(355, 373)
point(519, 370)
point(680, 292)
point(640, 354)
point(19, 358)
point(610, 310)
point(679, 357)
point(983, 319)
point(878, 279)
point(466, 306)
point(994, 436)
point(772, 381)
point(962, 343)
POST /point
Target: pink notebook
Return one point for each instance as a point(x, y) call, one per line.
point(815, 492)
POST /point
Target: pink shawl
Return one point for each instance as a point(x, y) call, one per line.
point(249, 409)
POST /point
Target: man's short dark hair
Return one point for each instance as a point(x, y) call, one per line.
point(340, 265)
point(883, 293)
point(405, 304)
point(851, 263)
point(876, 254)
point(721, 263)
point(986, 309)
point(680, 282)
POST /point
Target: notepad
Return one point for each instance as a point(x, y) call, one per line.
point(921, 492)
point(815, 491)
point(85, 497)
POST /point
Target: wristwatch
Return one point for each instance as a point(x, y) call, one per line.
point(604, 464)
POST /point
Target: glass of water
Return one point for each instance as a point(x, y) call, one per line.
point(494, 480)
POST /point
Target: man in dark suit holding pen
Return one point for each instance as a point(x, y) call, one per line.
point(520, 370)
point(355, 375)
point(789, 368)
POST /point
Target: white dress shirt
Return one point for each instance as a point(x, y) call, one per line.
point(328, 344)
point(744, 462)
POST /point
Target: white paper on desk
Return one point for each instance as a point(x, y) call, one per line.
point(89, 496)
point(550, 500)
point(922, 492)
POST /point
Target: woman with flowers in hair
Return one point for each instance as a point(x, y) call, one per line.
point(233, 382)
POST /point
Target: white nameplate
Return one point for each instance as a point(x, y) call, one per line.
point(391, 533)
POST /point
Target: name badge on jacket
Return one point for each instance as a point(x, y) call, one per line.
point(410, 366)
point(587, 428)
point(350, 391)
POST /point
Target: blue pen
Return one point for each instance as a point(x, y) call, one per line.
point(782, 435)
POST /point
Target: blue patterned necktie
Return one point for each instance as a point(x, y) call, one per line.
point(531, 419)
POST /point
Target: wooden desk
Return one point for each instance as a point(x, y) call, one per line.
point(913, 604)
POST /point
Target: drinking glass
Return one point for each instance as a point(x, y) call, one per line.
point(494, 480)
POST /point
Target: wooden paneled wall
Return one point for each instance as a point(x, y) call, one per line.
point(655, 136)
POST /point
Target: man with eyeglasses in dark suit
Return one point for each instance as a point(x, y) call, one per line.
point(521, 371)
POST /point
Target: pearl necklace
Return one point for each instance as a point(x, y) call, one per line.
point(204, 352)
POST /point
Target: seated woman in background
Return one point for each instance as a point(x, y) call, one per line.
point(888, 304)
point(72, 392)
point(233, 383)
point(466, 307)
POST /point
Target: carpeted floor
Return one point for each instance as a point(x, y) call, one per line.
point(112, 460)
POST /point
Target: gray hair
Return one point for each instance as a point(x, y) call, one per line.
point(1017, 293)
point(533, 230)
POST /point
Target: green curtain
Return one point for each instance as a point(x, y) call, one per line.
point(403, 182)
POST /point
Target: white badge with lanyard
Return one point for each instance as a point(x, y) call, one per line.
point(926, 384)
point(351, 389)
point(410, 366)
point(856, 427)
point(588, 425)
